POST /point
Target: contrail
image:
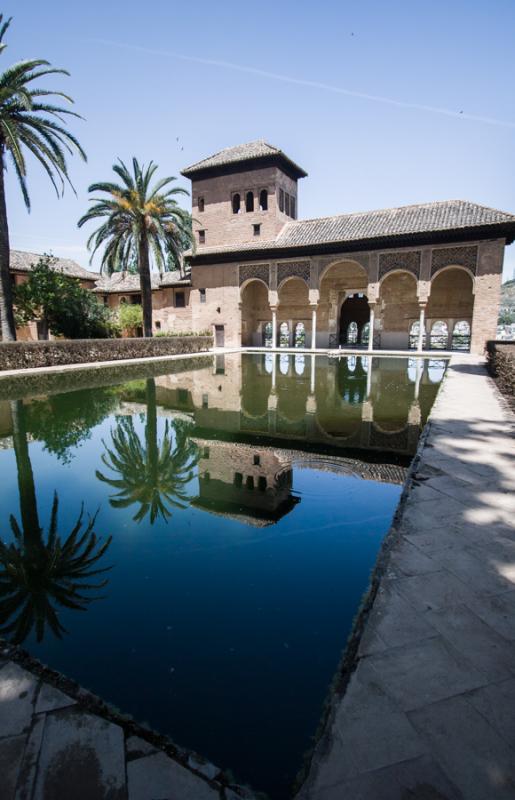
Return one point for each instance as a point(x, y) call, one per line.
point(327, 87)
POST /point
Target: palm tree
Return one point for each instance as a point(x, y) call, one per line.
point(139, 221)
point(28, 123)
point(152, 476)
point(38, 573)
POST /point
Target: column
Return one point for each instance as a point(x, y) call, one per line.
point(274, 326)
point(418, 376)
point(422, 325)
point(313, 327)
point(369, 377)
point(312, 376)
point(274, 371)
point(372, 307)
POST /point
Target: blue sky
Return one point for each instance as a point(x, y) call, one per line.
point(384, 104)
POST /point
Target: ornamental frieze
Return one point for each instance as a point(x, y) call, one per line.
point(293, 269)
point(454, 256)
point(409, 261)
point(260, 271)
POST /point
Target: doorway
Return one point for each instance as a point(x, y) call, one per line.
point(219, 336)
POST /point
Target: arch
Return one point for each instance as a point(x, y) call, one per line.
point(268, 334)
point(292, 278)
point(236, 203)
point(435, 370)
point(284, 334)
point(255, 312)
point(284, 363)
point(356, 270)
point(454, 266)
point(414, 334)
point(123, 300)
point(439, 336)
point(365, 333)
point(269, 362)
point(412, 370)
point(263, 200)
point(249, 202)
point(354, 315)
point(397, 271)
point(460, 339)
point(399, 307)
point(299, 364)
point(299, 335)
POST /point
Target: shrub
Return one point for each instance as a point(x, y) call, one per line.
point(183, 333)
point(501, 365)
point(130, 318)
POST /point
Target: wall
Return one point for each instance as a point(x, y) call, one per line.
point(222, 301)
point(24, 355)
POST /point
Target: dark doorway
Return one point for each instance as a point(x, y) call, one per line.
point(219, 336)
point(354, 315)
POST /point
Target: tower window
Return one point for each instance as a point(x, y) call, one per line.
point(202, 237)
point(281, 199)
point(287, 204)
point(257, 230)
point(293, 209)
point(236, 203)
point(202, 293)
point(249, 201)
point(263, 200)
point(200, 204)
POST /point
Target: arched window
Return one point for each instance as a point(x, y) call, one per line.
point(281, 199)
point(413, 336)
point(461, 336)
point(236, 203)
point(263, 200)
point(267, 335)
point(351, 362)
point(284, 364)
point(269, 363)
point(435, 370)
point(284, 335)
point(439, 335)
point(299, 338)
point(365, 333)
point(365, 363)
point(412, 369)
point(299, 364)
point(123, 301)
point(352, 333)
point(200, 204)
point(249, 201)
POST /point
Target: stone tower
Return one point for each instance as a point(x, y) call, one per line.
point(242, 195)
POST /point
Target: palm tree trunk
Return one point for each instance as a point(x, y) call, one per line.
point(26, 485)
point(6, 291)
point(151, 428)
point(145, 284)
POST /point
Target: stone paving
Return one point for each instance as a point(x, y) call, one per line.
point(429, 710)
point(52, 747)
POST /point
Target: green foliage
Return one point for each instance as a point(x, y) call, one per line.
point(183, 333)
point(506, 317)
point(130, 317)
point(28, 122)
point(38, 574)
point(137, 214)
point(61, 303)
point(64, 421)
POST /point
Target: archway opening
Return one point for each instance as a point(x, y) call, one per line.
point(354, 317)
point(255, 314)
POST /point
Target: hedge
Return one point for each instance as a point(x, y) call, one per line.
point(501, 365)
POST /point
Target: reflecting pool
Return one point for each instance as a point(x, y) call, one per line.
point(190, 540)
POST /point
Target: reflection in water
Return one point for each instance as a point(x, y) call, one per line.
point(151, 475)
point(39, 573)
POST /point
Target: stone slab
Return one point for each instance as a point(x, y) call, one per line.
point(168, 780)
point(82, 757)
point(28, 767)
point(17, 693)
point(51, 699)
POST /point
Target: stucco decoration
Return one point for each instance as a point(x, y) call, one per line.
point(293, 269)
point(409, 261)
point(454, 256)
point(260, 271)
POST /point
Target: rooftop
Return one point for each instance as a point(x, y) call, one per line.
point(258, 150)
point(22, 261)
point(388, 223)
point(129, 282)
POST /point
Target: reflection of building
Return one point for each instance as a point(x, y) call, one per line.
point(309, 401)
point(249, 483)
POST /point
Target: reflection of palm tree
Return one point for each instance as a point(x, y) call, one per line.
point(37, 574)
point(151, 475)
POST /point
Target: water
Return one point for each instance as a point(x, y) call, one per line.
point(246, 497)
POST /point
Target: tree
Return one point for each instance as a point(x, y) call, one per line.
point(28, 123)
point(139, 221)
point(130, 317)
point(40, 573)
point(61, 304)
point(151, 475)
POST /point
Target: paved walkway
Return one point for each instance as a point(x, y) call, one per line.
point(53, 747)
point(429, 712)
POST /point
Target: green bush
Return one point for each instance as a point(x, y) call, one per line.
point(130, 318)
point(183, 333)
point(501, 365)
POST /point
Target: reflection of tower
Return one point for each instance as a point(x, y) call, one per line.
point(245, 482)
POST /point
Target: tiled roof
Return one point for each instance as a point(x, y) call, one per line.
point(21, 261)
point(241, 152)
point(128, 282)
point(448, 215)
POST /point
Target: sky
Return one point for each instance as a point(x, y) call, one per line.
point(383, 103)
